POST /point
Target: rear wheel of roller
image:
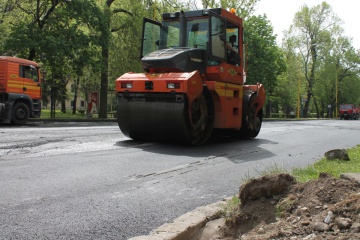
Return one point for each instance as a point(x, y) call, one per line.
point(252, 120)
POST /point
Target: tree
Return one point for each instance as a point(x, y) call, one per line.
point(265, 61)
point(122, 21)
point(347, 66)
point(59, 35)
point(327, 58)
point(244, 8)
point(310, 33)
point(106, 31)
point(338, 70)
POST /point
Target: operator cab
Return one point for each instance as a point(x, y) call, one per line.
point(190, 41)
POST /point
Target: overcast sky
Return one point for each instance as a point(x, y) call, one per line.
point(281, 14)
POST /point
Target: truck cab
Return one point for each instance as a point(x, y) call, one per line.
point(349, 111)
point(20, 91)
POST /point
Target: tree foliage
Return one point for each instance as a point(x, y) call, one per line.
point(265, 60)
point(92, 42)
point(56, 34)
point(327, 57)
point(244, 8)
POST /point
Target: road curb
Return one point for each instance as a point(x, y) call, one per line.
point(186, 226)
point(351, 176)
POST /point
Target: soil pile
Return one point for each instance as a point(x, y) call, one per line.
point(276, 207)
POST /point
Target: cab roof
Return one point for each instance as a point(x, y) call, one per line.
point(19, 60)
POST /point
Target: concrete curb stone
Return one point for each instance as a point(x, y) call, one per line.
point(349, 176)
point(187, 225)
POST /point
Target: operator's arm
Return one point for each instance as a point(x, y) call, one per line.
point(230, 48)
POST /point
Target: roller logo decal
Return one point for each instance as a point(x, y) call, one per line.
point(232, 72)
point(153, 75)
point(13, 75)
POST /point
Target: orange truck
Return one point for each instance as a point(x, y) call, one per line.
point(194, 81)
point(20, 91)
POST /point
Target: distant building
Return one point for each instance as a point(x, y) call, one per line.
point(80, 100)
point(69, 103)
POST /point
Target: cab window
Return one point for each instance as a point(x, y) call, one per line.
point(29, 72)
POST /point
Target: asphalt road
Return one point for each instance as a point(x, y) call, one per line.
point(88, 181)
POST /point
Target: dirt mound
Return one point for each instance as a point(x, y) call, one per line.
point(275, 207)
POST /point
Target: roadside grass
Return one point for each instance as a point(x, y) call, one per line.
point(266, 170)
point(333, 167)
point(231, 206)
point(45, 114)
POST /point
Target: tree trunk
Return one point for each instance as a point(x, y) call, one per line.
point(63, 106)
point(52, 100)
point(104, 82)
point(52, 107)
point(75, 94)
point(307, 104)
point(316, 108)
point(105, 61)
point(268, 109)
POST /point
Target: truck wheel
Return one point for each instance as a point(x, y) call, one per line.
point(2, 110)
point(20, 114)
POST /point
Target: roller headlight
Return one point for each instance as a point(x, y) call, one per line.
point(126, 85)
point(173, 85)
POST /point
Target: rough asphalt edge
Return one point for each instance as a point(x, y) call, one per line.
point(187, 225)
